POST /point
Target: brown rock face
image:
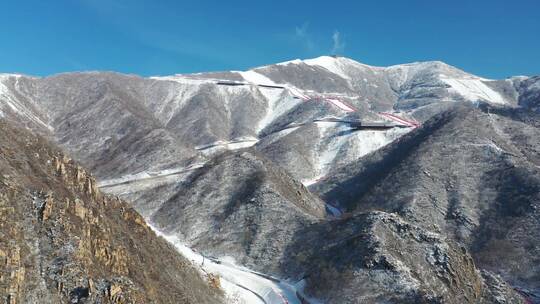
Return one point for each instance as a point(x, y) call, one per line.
point(13, 279)
point(62, 241)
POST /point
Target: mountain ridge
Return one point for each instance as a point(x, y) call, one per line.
point(263, 159)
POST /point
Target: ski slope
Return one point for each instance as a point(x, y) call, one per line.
point(240, 284)
point(473, 89)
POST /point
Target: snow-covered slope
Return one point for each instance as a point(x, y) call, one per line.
point(161, 141)
point(14, 103)
point(224, 109)
point(239, 283)
point(404, 77)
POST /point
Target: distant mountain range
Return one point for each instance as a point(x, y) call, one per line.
point(415, 183)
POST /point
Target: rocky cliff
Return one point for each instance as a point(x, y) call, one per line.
point(63, 241)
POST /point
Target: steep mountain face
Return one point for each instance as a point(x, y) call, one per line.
point(100, 116)
point(377, 257)
point(472, 175)
point(222, 161)
point(103, 120)
point(529, 89)
point(240, 205)
point(62, 241)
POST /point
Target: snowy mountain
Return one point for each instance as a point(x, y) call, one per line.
point(250, 164)
point(240, 112)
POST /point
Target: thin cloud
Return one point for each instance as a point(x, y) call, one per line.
point(301, 34)
point(339, 45)
point(301, 31)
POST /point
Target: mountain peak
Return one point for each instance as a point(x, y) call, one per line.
point(324, 60)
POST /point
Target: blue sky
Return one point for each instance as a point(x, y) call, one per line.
point(493, 38)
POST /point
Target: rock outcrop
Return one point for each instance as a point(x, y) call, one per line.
point(240, 205)
point(468, 174)
point(63, 241)
point(378, 257)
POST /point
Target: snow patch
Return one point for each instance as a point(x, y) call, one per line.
point(332, 145)
point(176, 99)
point(277, 135)
point(8, 100)
point(278, 104)
point(331, 64)
point(239, 283)
point(295, 61)
point(340, 145)
point(148, 175)
point(473, 89)
point(336, 65)
point(184, 80)
point(309, 182)
point(340, 104)
point(256, 78)
point(235, 144)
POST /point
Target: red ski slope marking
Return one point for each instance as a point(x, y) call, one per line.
point(296, 93)
point(401, 120)
point(282, 297)
point(336, 101)
point(341, 104)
